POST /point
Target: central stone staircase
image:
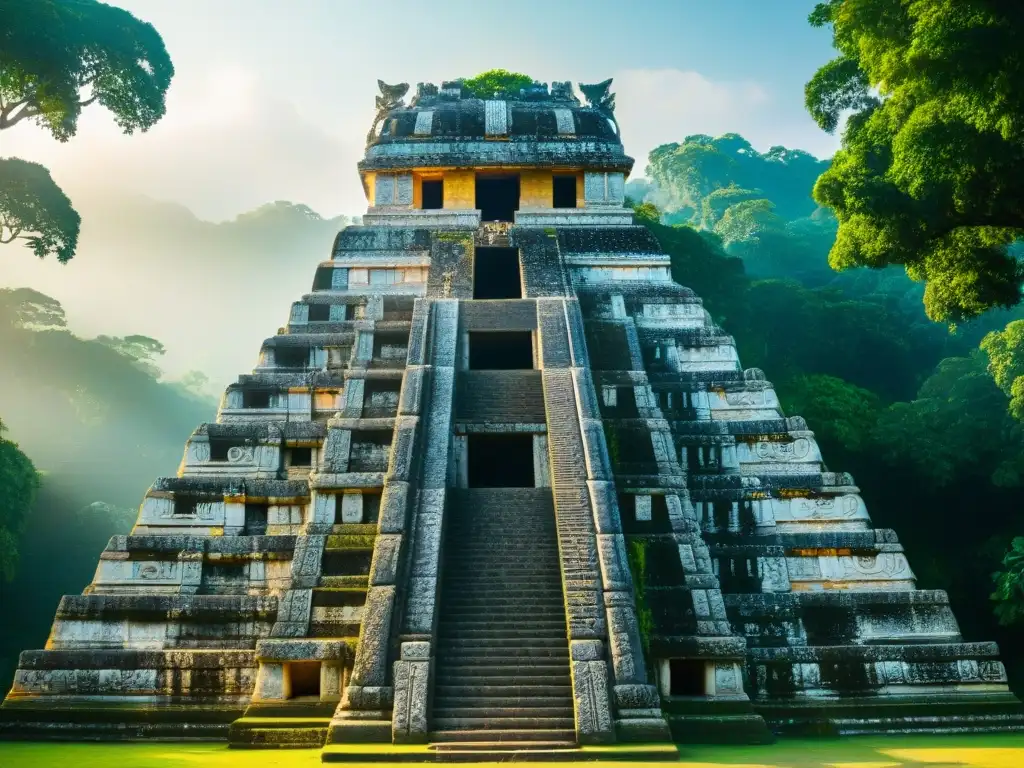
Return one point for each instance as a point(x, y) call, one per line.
point(502, 679)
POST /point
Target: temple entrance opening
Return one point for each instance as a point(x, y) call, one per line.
point(563, 190)
point(686, 677)
point(500, 350)
point(432, 191)
point(496, 274)
point(305, 678)
point(500, 461)
point(497, 197)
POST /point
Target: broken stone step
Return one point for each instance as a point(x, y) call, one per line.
point(501, 728)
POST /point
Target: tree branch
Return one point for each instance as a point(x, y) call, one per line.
point(89, 101)
point(13, 236)
point(27, 110)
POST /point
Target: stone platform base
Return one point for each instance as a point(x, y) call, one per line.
point(699, 720)
point(476, 752)
point(975, 713)
point(115, 721)
point(286, 725)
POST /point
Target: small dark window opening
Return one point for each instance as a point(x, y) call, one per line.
point(432, 193)
point(305, 678)
point(219, 447)
point(319, 313)
point(497, 197)
point(301, 457)
point(686, 677)
point(496, 274)
point(291, 357)
point(346, 562)
point(500, 461)
point(255, 519)
point(256, 398)
point(323, 278)
point(500, 350)
point(564, 189)
point(184, 506)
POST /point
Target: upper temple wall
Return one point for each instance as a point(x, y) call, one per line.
point(537, 128)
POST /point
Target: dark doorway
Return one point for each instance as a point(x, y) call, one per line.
point(255, 519)
point(305, 678)
point(686, 677)
point(564, 192)
point(319, 313)
point(500, 350)
point(500, 461)
point(496, 274)
point(432, 194)
point(497, 197)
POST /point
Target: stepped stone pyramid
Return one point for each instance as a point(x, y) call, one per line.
point(501, 484)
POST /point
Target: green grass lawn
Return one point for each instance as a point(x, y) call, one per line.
point(865, 752)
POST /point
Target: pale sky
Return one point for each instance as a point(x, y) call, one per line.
point(272, 98)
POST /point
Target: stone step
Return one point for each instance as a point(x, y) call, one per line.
point(525, 641)
point(518, 594)
point(444, 733)
point(501, 625)
point(509, 688)
point(470, 653)
point(502, 723)
point(523, 632)
point(458, 674)
point(543, 585)
point(489, 702)
point(499, 713)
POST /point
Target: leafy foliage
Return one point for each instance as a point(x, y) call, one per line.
point(99, 429)
point(18, 485)
point(1009, 593)
point(141, 350)
point(34, 209)
point(931, 170)
point(1005, 351)
point(727, 170)
point(495, 81)
point(59, 56)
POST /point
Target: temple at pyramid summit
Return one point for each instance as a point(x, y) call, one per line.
point(502, 488)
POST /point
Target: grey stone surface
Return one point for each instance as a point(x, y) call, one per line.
point(593, 706)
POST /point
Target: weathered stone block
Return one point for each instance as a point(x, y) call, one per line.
point(591, 702)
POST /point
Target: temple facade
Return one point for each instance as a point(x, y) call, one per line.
point(502, 484)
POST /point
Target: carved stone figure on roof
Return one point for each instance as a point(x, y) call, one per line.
point(390, 97)
point(599, 96)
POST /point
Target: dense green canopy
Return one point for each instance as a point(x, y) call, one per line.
point(35, 210)
point(58, 56)
point(931, 170)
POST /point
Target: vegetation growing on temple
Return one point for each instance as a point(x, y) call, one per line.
point(495, 81)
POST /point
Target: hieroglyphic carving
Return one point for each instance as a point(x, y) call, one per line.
point(794, 451)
